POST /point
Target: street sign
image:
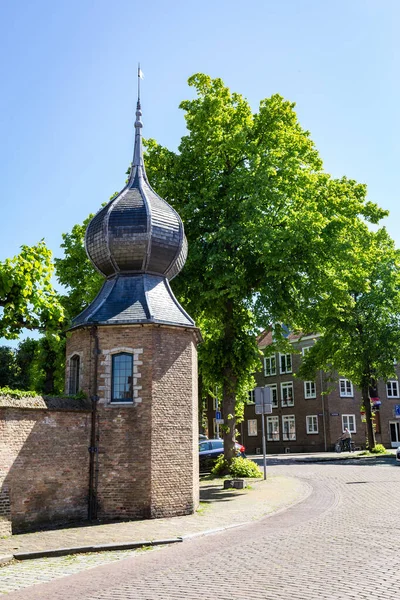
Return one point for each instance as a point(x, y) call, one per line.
point(219, 421)
point(263, 400)
point(218, 415)
point(397, 411)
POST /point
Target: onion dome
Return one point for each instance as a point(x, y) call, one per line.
point(138, 243)
point(137, 231)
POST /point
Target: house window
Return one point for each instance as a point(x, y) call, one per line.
point(274, 394)
point(287, 398)
point(74, 368)
point(122, 378)
point(269, 366)
point(305, 350)
point(288, 428)
point(251, 398)
point(312, 423)
point(273, 429)
point(286, 363)
point(349, 421)
point(252, 427)
point(310, 390)
point(392, 388)
point(346, 388)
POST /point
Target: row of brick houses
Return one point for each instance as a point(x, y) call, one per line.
point(310, 416)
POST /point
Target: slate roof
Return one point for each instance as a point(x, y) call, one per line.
point(131, 299)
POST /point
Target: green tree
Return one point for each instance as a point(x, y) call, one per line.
point(76, 273)
point(24, 358)
point(27, 298)
point(269, 231)
point(8, 369)
point(360, 327)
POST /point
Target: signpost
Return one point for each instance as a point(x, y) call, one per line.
point(263, 400)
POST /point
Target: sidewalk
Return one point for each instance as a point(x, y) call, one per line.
point(219, 509)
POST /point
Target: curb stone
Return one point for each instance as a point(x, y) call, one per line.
point(94, 548)
point(5, 559)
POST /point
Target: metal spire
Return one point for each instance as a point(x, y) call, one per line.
point(138, 150)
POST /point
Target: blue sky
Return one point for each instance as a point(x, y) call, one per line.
point(68, 73)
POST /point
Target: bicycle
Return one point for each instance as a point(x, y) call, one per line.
point(340, 446)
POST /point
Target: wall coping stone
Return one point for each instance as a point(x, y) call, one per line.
point(46, 403)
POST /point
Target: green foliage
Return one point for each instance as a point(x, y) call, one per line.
point(76, 273)
point(6, 391)
point(237, 467)
point(27, 297)
point(7, 366)
point(270, 233)
point(378, 449)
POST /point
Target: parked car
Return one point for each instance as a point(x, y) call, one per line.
point(398, 454)
point(209, 450)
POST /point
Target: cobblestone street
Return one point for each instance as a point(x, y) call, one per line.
point(341, 542)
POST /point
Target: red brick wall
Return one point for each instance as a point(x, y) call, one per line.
point(43, 466)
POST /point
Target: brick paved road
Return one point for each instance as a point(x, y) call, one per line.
point(341, 543)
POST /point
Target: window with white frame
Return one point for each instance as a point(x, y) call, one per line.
point(312, 423)
point(288, 428)
point(305, 350)
point(251, 398)
point(310, 390)
point(287, 397)
point(252, 427)
point(274, 394)
point(273, 429)
point(346, 388)
point(286, 363)
point(269, 365)
point(349, 421)
point(392, 388)
point(122, 377)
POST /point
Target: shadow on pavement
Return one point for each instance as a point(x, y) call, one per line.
point(215, 493)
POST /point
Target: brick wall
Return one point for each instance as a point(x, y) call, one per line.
point(147, 461)
point(43, 463)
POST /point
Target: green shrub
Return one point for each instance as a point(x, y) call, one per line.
point(378, 449)
point(240, 467)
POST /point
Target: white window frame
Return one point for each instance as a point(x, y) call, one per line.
point(286, 359)
point(311, 392)
point(346, 423)
point(305, 350)
point(251, 397)
point(312, 424)
point(270, 365)
point(252, 427)
point(288, 437)
point(285, 385)
point(274, 435)
point(274, 388)
point(392, 388)
point(348, 391)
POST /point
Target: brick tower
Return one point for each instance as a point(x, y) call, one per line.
point(133, 351)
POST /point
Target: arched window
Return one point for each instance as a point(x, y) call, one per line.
point(74, 367)
point(122, 378)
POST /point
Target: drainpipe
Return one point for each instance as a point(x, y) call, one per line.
point(323, 412)
point(93, 449)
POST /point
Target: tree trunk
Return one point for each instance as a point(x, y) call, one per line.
point(229, 388)
point(368, 416)
point(228, 403)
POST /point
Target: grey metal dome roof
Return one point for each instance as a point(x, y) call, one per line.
point(137, 231)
